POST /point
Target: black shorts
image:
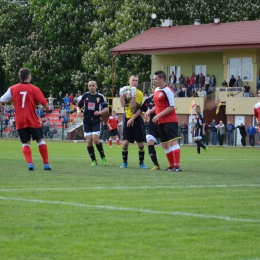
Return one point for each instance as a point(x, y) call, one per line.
point(113, 132)
point(91, 126)
point(152, 130)
point(168, 131)
point(135, 132)
point(198, 133)
point(28, 133)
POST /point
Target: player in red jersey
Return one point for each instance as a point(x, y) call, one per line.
point(24, 96)
point(167, 120)
point(112, 123)
point(257, 112)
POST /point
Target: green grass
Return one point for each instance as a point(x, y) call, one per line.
point(210, 210)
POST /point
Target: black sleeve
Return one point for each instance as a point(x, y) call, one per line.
point(81, 102)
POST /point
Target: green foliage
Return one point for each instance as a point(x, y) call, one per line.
point(66, 43)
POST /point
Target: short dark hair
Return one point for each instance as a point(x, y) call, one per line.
point(161, 74)
point(24, 74)
point(198, 106)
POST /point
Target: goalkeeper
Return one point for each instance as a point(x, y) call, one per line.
point(133, 129)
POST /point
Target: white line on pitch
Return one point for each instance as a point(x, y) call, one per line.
point(149, 211)
point(133, 187)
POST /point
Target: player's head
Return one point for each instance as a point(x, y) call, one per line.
point(159, 78)
point(92, 87)
point(113, 113)
point(198, 109)
point(133, 81)
point(24, 75)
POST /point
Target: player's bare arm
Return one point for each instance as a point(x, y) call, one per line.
point(165, 112)
point(102, 112)
point(149, 112)
point(203, 129)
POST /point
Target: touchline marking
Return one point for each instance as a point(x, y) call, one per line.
point(132, 187)
point(149, 211)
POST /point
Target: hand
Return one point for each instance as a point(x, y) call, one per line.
point(79, 114)
point(97, 113)
point(155, 119)
point(122, 90)
point(203, 132)
point(130, 122)
point(147, 114)
point(133, 91)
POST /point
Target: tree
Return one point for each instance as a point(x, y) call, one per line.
point(61, 30)
point(15, 26)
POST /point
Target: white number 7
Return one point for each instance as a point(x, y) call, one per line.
point(24, 93)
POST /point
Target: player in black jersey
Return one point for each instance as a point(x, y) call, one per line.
point(199, 128)
point(152, 131)
point(95, 105)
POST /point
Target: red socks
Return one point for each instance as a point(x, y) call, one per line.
point(44, 152)
point(26, 149)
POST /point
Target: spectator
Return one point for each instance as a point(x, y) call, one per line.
point(211, 90)
point(207, 81)
point(72, 108)
point(41, 111)
point(246, 90)
point(199, 87)
point(191, 125)
point(186, 92)
point(242, 130)
point(232, 81)
point(71, 98)
point(251, 131)
point(230, 128)
point(67, 107)
point(51, 108)
point(45, 127)
point(187, 82)
point(65, 121)
point(180, 92)
point(184, 130)
point(258, 81)
point(221, 132)
point(66, 99)
point(52, 131)
point(172, 79)
point(213, 135)
point(192, 78)
point(59, 99)
point(224, 83)
point(63, 112)
point(181, 80)
point(50, 99)
point(213, 80)
point(239, 82)
point(202, 80)
point(203, 92)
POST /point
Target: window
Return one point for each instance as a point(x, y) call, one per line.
point(242, 67)
point(197, 69)
point(176, 70)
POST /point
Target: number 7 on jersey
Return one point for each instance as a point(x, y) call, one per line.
point(24, 93)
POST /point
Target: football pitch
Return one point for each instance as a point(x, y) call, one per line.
point(210, 210)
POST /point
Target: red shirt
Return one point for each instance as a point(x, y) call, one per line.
point(257, 113)
point(113, 122)
point(163, 98)
point(25, 96)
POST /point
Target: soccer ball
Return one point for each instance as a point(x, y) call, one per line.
point(127, 93)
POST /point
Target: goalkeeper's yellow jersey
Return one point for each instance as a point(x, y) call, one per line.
point(129, 112)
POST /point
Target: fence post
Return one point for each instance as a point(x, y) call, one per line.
point(236, 137)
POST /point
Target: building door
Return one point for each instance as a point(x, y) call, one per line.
point(238, 121)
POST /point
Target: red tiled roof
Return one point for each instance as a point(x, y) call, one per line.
point(203, 37)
